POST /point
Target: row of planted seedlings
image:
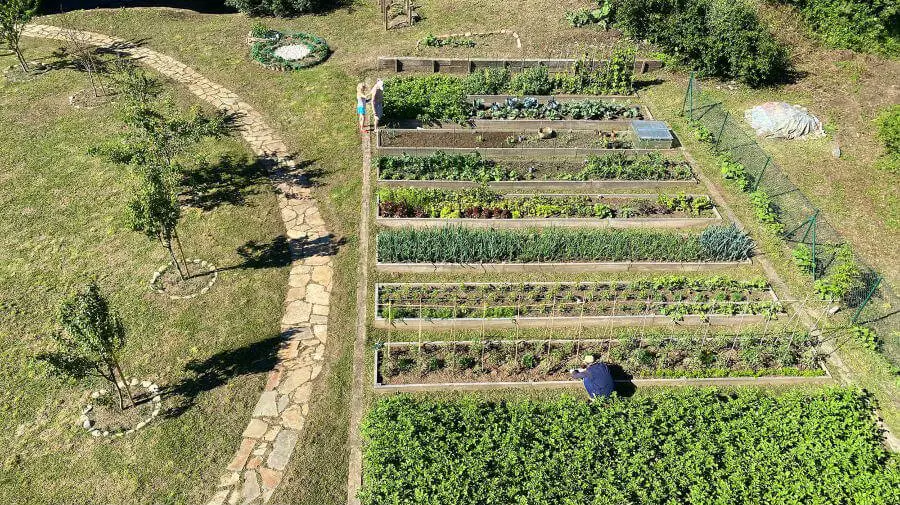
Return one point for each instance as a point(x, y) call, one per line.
point(774, 352)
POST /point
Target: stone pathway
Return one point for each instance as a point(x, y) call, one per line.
point(276, 423)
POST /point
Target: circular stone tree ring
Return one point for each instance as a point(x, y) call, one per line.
point(290, 51)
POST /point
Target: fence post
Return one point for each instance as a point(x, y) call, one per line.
point(722, 128)
point(868, 297)
point(688, 103)
point(761, 172)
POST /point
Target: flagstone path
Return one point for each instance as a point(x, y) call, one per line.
point(278, 419)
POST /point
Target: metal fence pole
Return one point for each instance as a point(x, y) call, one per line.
point(761, 172)
point(722, 128)
point(868, 297)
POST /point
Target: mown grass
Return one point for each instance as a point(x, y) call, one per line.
point(313, 111)
point(63, 223)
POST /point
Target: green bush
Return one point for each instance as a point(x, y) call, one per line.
point(862, 25)
point(457, 244)
point(488, 81)
point(686, 446)
point(888, 123)
point(429, 98)
point(531, 81)
point(844, 278)
point(281, 8)
point(721, 38)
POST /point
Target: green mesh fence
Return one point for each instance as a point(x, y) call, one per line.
point(870, 301)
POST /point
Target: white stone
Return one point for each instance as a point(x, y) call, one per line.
point(266, 406)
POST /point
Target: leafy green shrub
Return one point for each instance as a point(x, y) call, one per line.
point(688, 446)
point(281, 8)
point(531, 81)
point(867, 337)
point(766, 211)
point(888, 123)
point(487, 81)
point(601, 15)
point(844, 277)
point(721, 38)
point(861, 25)
point(734, 171)
point(428, 98)
point(457, 244)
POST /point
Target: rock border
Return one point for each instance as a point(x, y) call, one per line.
point(211, 269)
point(90, 424)
point(511, 33)
point(263, 51)
point(74, 99)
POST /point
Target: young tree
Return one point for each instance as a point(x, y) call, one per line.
point(83, 56)
point(14, 15)
point(91, 340)
point(154, 210)
point(156, 135)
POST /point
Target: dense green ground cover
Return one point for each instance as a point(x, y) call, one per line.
point(692, 446)
point(63, 222)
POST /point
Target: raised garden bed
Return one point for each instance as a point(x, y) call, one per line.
point(458, 248)
point(457, 171)
point(662, 357)
point(468, 65)
point(476, 168)
point(716, 300)
point(421, 207)
point(504, 139)
point(684, 446)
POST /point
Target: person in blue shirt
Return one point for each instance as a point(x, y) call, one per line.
point(597, 378)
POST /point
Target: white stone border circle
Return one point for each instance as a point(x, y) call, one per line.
point(89, 423)
point(205, 264)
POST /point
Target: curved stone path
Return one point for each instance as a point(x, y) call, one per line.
point(274, 428)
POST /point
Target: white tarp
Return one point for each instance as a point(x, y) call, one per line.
point(783, 120)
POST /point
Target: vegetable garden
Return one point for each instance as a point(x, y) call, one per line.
point(474, 289)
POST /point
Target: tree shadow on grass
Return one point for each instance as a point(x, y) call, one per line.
point(281, 251)
point(219, 369)
point(228, 180)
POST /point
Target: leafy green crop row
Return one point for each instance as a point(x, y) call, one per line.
point(484, 203)
point(443, 97)
point(686, 446)
point(473, 167)
point(457, 244)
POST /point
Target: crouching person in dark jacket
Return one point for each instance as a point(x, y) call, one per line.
point(598, 380)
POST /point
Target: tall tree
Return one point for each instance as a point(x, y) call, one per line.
point(91, 339)
point(14, 15)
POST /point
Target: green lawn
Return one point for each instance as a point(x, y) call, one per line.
point(313, 111)
point(63, 223)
